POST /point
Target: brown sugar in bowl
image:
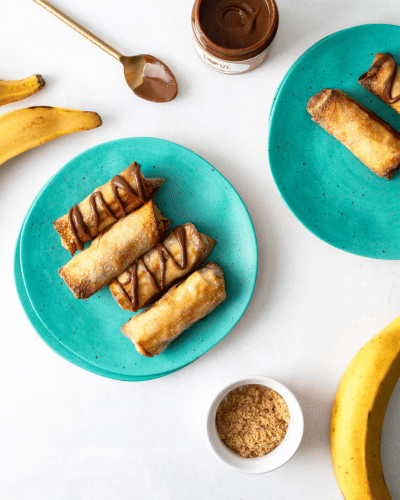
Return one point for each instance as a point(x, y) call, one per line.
point(252, 420)
point(254, 436)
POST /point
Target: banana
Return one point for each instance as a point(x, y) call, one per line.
point(357, 416)
point(27, 128)
point(15, 90)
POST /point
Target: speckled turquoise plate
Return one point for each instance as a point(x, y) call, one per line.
point(327, 188)
point(194, 191)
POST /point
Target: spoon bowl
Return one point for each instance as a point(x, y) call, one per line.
point(149, 78)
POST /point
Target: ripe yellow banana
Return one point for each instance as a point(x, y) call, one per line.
point(15, 90)
point(27, 128)
point(357, 416)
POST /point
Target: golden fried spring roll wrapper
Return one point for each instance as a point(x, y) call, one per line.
point(383, 80)
point(367, 136)
point(129, 202)
point(198, 247)
point(155, 328)
point(113, 251)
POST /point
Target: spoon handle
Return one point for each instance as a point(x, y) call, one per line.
point(80, 29)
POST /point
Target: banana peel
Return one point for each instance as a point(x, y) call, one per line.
point(28, 128)
point(15, 90)
point(358, 414)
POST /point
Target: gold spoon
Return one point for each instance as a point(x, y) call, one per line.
point(147, 76)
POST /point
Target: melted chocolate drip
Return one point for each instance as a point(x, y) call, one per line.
point(75, 219)
point(118, 182)
point(163, 255)
point(76, 222)
point(98, 195)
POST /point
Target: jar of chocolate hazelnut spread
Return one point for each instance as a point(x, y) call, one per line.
point(234, 36)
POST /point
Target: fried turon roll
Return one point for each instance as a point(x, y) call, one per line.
point(113, 251)
point(108, 203)
point(367, 136)
point(180, 253)
point(383, 80)
point(185, 303)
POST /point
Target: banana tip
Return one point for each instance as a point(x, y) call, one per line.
point(40, 80)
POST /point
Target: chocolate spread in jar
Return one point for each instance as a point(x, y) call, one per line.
point(235, 24)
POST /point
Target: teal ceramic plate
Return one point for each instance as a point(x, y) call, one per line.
point(328, 189)
point(45, 334)
point(194, 191)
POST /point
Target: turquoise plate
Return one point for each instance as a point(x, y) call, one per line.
point(327, 188)
point(194, 191)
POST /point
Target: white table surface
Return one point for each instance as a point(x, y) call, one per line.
point(69, 434)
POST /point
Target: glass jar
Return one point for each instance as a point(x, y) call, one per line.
point(234, 36)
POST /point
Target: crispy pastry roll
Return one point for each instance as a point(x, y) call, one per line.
point(113, 251)
point(118, 197)
point(181, 252)
point(383, 80)
point(155, 328)
point(367, 136)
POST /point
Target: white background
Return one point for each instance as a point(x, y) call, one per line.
point(68, 434)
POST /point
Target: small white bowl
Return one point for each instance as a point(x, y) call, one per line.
point(277, 457)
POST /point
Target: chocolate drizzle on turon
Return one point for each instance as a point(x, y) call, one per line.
point(387, 88)
point(75, 219)
point(163, 256)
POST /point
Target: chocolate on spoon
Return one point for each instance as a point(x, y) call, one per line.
point(147, 76)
